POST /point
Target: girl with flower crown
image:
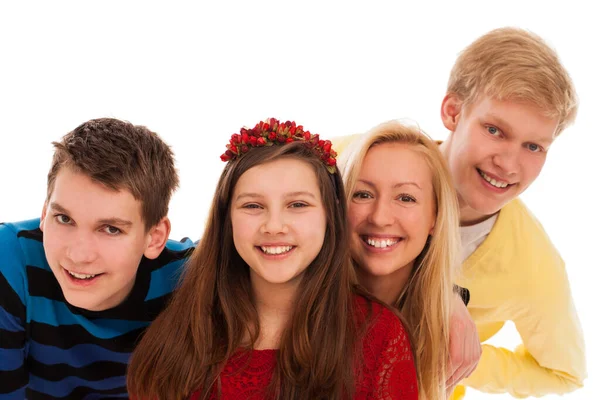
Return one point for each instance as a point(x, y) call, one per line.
point(267, 307)
point(404, 239)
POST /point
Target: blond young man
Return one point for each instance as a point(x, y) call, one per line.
point(508, 98)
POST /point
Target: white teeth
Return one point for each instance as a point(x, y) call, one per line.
point(276, 249)
point(493, 182)
point(81, 276)
point(381, 243)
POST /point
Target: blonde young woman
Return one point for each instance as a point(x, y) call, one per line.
point(404, 237)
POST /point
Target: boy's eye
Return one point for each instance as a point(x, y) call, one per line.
point(533, 147)
point(111, 230)
point(493, 130)
point(63, 219)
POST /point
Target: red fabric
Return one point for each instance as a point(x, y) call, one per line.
point(388, 368)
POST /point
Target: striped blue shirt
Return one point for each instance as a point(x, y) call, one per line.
point(50, 349)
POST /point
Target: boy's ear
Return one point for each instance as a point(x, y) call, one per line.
point(157, 238)
point(43, 217)
point(450, 112)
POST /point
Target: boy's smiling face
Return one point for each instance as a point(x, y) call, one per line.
point(495, 151)
point(94, 239)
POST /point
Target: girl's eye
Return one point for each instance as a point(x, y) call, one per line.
point(361, 195)
point(251, 206)
point(298, 205)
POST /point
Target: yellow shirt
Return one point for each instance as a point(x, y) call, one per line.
point(517, 275)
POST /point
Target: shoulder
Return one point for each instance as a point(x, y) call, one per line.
point(20, 246)
point(184, 245)
point(166, 269)
point(519, 229)
point(175, 252)
point(516, 218)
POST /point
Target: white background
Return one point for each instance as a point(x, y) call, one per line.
point(195, 74)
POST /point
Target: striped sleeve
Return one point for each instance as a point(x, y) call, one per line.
point(13, 375)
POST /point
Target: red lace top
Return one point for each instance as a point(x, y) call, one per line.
point(388, 368)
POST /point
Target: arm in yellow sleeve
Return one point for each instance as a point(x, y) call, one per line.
point(551, 359)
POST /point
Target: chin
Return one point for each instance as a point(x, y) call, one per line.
point(86, 305)
point(490, 208)
point(378, 269)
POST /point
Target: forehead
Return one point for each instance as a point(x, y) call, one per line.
point(86, 199)
point(278, 177)
point(517, 117)
point(392, 163)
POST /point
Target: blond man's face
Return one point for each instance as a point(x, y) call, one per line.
point(495, 151)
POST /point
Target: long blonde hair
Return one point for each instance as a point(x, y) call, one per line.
point(426, 298)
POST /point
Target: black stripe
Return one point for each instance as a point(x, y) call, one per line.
point(10, 299)
point(42, 283)
point(67, 336)
point(166, 256)
point(34, 234)
point(92, 372)
point(13, 380)
point(79, 393)
point(12, 340)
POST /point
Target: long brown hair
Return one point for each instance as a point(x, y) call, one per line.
point(187, 346)
point(425, 299)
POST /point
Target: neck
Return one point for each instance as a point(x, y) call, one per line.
point(274, 304)
point(386, 288)
point(469, 216)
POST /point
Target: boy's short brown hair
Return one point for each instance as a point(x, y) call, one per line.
point(120, 155)
point(514, 64)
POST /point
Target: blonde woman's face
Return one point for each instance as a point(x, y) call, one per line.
point(392, 210)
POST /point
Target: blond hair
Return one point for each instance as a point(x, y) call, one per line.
point(425, 300)
point(514, 64)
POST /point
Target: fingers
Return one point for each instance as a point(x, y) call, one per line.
point(465, 352)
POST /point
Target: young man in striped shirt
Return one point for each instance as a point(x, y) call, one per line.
point(79, 285)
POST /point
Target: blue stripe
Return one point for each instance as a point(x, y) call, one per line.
point(32, 250)
point(11, 359)
point(164, 280)
point(9, 322)
point(77, 356)
point(57, 313)
point(12, 263)
point(65, 386)
point(35, 255)
point(27, 225)
point(18, 394)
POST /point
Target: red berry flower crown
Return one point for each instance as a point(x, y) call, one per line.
point(271, 132)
